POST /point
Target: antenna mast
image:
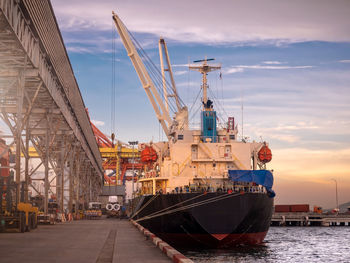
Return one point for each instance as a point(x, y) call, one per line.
point(204, 69)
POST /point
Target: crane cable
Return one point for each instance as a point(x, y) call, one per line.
point(154, 71)
point(214, 199)
point(220, 107)
point(113, 84)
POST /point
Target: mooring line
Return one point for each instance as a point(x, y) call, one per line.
point(147, 203)
point(167, 208)
point(215, 199)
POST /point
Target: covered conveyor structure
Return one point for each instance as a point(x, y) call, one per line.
point(41, 104)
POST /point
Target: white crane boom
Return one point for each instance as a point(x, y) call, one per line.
point(165, 91)
point(146, 81)
point(181, 115)
point(164, 49)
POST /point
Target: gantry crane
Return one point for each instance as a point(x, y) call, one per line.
point(169, 125)
point(115, 157)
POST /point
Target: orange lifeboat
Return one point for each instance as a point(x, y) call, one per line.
point(265, 154)
point(148, 155)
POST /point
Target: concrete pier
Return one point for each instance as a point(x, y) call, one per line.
point(309, 219)
point(95, 241)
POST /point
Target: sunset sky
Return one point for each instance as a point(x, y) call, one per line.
point(288, 62)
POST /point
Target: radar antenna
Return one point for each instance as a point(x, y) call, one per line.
point(204, 68)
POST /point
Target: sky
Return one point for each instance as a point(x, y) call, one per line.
point(286, 62)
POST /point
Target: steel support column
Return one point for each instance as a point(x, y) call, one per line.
point(46, 165)
point(20, 95)
point(26, 164)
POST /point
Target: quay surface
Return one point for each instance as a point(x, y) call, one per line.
point(95, 241)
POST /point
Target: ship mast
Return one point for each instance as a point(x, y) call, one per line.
point(204, 69)
point(208, 115)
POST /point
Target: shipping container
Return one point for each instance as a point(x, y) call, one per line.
point(300, 208)
point(282, 208)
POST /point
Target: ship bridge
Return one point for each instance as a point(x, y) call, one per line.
point(42, 107)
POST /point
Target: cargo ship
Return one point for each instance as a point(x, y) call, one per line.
point(201, 187)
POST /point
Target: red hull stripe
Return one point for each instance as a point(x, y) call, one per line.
point(219, 236)
point(217, 240)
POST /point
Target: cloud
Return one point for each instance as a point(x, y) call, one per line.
point(284, 138)
point(344, 61)
point(186, 84)
point(271, 67)
point(79, 49)
point(98, 123)
point(234, 70)
point(311, 162)
point(230, 21)
point(180, 65)
point(294, 127)
point(92, 42)
point(272, 62)
point(182, 72)
point(240, 68)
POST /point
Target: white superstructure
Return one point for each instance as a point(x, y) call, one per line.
point(190, 159)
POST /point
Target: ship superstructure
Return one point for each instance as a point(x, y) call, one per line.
point(201, 186)
point(201, 157)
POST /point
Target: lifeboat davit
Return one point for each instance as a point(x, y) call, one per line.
point(148, 155)
point(265, 154)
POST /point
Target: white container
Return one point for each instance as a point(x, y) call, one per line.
point(113, 199)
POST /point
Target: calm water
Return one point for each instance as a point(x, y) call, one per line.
point(287, 244)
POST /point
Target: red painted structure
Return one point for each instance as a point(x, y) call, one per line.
point(110, 163)
point(282, 208)
point(297, 208)
point(300, 208)
point(265, 154)
point(231, 124)
point(4, 159)
point(148, 155)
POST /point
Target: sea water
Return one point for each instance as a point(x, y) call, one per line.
point(286, 244)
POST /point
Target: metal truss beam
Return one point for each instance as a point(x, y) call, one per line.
point(43, 108)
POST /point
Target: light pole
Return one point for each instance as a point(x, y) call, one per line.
point(133, 143)
point(336, 193)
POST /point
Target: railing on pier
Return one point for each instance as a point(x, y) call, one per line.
point(310, 219)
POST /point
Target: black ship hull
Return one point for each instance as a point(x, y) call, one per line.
point(216, 220)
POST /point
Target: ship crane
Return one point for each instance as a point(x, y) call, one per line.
point(169, 125)
point(163, 50)
point(181, 114)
